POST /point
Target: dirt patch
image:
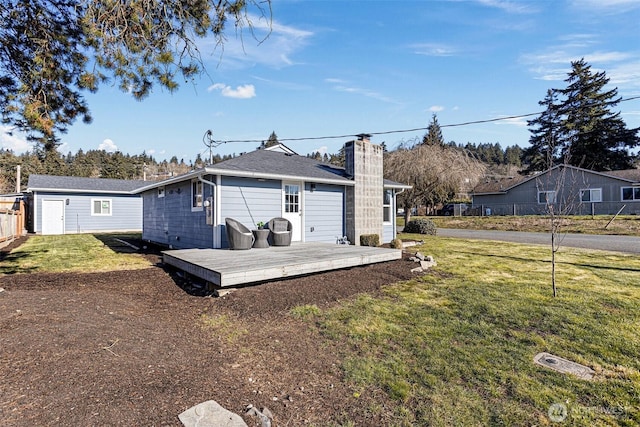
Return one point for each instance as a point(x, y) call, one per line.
point(133, 348)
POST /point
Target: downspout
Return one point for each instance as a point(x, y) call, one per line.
point(395, 208)
point(215, 239)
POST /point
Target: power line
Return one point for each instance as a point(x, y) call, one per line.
point(473, 122)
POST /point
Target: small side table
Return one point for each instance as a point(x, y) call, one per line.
point(261, 238)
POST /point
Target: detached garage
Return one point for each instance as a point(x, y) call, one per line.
point(66, 205)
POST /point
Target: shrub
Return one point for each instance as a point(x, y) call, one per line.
point(369, 240)
point(396, 244)
point(421, 226)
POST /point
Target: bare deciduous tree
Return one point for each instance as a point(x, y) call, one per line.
point(436, 173)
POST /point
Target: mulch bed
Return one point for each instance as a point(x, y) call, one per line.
point(139, 347)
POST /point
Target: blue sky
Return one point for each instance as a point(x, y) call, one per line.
point(346, 67)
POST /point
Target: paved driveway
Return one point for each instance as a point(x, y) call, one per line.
point(629, 244)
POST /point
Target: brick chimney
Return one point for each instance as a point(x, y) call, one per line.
point(363, 163)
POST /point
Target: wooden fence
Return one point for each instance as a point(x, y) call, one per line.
point(12, 220)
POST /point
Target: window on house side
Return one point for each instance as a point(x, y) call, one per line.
point(591, 195)
point(196, 195)
point(100, 207)
point(387, 197)
point(546, 197)
point(160, 192)
point(630, 193)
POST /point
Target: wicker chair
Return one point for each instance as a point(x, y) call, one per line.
point(281, 231)
point(238, 236)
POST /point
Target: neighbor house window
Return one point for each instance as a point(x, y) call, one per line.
point(630, 193)
point(591, 195)
point(546, 197)
point(100, 206)
point(160, 191)
point(196, 195)
point(387, 197)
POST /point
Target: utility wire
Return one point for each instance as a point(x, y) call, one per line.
point(474, 122)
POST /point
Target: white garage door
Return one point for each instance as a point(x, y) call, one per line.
point(53, 217)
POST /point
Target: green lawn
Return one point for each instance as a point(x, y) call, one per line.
point(622, 225)
point(72, 252)
point(456, 346)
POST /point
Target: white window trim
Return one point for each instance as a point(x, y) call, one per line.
point(390, 206)
point(161, 192)
point(591, 198)
point(201, 185)
point(547, 201)
point(93, 213)
point(633, 194)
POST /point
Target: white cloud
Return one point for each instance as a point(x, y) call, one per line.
point(108, 145)
point(270, 43)
point(515, 121)
point(436, 108)
point(322, 150)
point(508, 6)
point(606, 6)
point(240, 92)
point(342, 86)
point(13, 141)
point(434, 49)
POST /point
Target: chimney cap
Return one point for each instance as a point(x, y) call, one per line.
point(364, 136)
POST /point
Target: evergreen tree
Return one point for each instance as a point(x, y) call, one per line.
point(273, 140)
point(580, 129)
point(596, 138)
point(545, 141)
point(434, 133)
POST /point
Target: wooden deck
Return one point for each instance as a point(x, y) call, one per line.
point(223, 267)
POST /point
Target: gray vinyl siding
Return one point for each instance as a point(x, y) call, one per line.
point(126, 212)
point(170, 221)
point(249, 201)
point(324, 213)
point(523, 199)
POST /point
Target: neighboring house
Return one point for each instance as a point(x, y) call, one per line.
point(322, 201)
point(65, 205)
point(578, 191)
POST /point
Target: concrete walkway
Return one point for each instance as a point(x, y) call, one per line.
point(628, 244)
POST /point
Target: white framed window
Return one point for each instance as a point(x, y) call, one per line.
point(630, 194)
point(591, 195)
point(387, 200)
point(160, 192)
point(546, 197)
point(196, 195)
point(100, 207)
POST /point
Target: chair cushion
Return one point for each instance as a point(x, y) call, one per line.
point(279, 226)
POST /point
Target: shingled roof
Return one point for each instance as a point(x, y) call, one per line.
point(274, 164)
point(74, 184)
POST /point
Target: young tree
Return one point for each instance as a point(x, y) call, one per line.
point(54, 50)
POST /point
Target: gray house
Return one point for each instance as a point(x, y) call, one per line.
point(579, 191)
point(322, 201)
point(65, 204)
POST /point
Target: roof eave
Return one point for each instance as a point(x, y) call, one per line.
point(245, 174)
point(75, 190)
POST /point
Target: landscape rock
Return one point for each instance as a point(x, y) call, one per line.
point(210, 414)
point(420, 256)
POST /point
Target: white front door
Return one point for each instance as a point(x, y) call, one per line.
point(52, 217)
point(292, 207)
